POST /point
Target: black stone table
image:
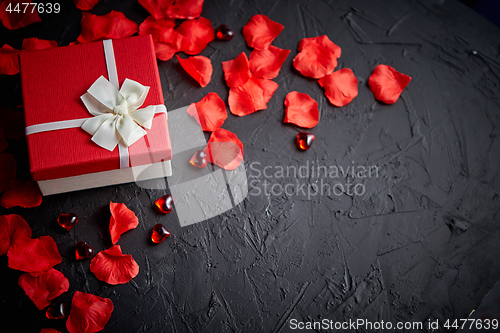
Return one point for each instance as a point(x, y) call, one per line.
point(419, 244)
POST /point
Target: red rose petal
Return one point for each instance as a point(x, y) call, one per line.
point(85, 4)
point(197, 34)
point(267, 63)
point(160, 29)
point(165, 51)
point(12, 123)
point(210, 112)
point(317, 57)
point(3, 143)
point(251, 96)
point(9, 61)
point(7, 170)
point(12, 228)
point(387, 84)
point(199, 67)
point(33, 44)
point(45, 287)
point(89, 313)
point(185, 9)
point(260, 31)
point(122, 220)
point(340, 87)
point(301, 110)
point(112, 25)
point(237, 71)
point(15, 20)
point(113, 267)
point(224, 149)
point(34, 256)
point(21, 192)
point(157, 8)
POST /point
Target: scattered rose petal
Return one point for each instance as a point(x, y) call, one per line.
point(21, 192)
point(387, 84)
point(45, 287)
point(34, 256)
point(9, 61)
point(199, 67)
point(224, 149)
point(317, 57)
point(89, 313)
point(165, 51)
point(114, 267)
point(12, 227)
point(7, 170)
point(267, 63)
point(185, 9)
point(33, 44)
point(260, 31)
point(340, 87)
point(12, 123)
point(85, 4)
point(236, 71)
point(112, 25)
point(197, 34)
point(251, 96)
point(3, 143)
point(301, 110)
point(15, 20)
point(122, 220)
point(161, 30)
point(157, 8)
point(210, 112)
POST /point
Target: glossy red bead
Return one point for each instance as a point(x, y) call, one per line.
point(159, 233)
point(67, 221)
point(198, 159)
point(304, 140)
point(165, 203)
point(57, 310)
point(83, 251)
point(224, 33)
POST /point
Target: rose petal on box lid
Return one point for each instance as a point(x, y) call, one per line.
point(111, 25)
point(387, 84)
point(210, 112)
point(85, 4)
point(89, 313)
point(301, 110)
point(12, 227)
point(341, 87)
point(12, 123)
point(251, 96)
point(315, 60)
point(114, 267)
point(34, 256)
point(197, 34)
point(33, 44)
point(224, 149)
point(237, 71)
point(7, 170)
point(198, 67)
point(14, 20)
point(185, 9)
point(157, 8)
point(9, 60)
point(165, 51)
point(21, 192)
point(267, 63)
point(122, 220)
point(45, 287)
point(260, 31)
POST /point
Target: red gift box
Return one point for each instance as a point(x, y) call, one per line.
point(53, 81)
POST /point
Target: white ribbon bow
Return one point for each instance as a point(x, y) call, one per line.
point(116, 113)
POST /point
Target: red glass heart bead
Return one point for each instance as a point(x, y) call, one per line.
point(83, 251)
point(159, 233)
point(57, 310)
point(165, 203)
point(305, 140)
point(67, 221)
point(224, 33)
point(198, 159)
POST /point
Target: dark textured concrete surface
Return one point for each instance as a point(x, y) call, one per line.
point(420, 244)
